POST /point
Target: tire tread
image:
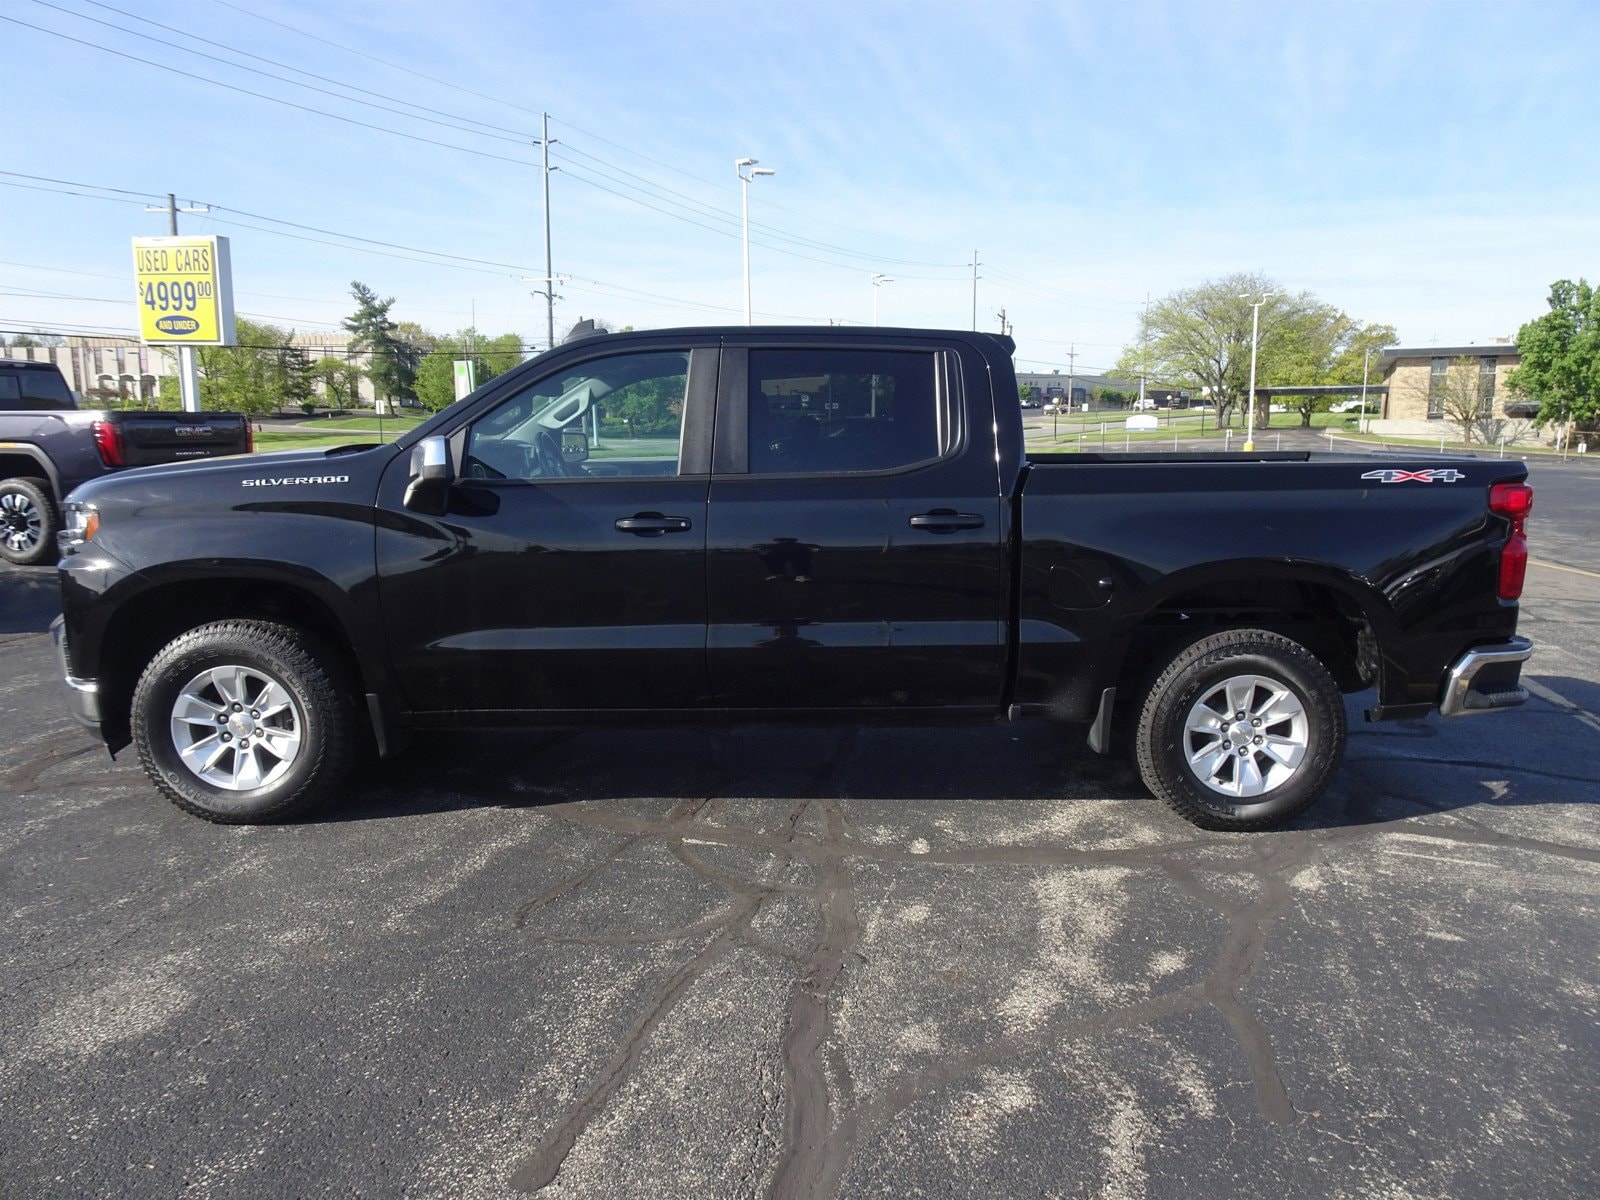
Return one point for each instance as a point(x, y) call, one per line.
point(308, 658)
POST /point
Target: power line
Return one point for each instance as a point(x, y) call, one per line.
point(374, 58)
point(415, 137)
point(771, 230)
point(32, 187)
point(730, 187)
point(309, 74)
point(269, 75)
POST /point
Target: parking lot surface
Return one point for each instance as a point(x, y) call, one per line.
point(815, 963)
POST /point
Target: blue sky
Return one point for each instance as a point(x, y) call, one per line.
point(1433, 166)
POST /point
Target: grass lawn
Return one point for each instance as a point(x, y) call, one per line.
point(388, 424)
point(314, 441)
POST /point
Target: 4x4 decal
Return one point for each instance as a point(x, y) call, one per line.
point(1432, 475)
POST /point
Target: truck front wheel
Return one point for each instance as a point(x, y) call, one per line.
point(243, 722)
point(1243, 730)
point(28, 521)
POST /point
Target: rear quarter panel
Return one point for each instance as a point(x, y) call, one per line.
point(1420, 560)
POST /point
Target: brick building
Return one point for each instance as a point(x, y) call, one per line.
point(1416, 375)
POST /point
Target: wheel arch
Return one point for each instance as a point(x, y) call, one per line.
point(1337, 615)
point(21, 461)
point(142, 623)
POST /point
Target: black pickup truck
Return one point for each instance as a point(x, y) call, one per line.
point(48, 446)
point(732, 524)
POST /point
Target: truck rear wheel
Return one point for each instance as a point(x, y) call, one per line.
point(28, 521)
point(243, 722)
point(1243, 730)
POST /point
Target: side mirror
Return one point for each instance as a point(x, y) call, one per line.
point(574, 446)
point(431, 477)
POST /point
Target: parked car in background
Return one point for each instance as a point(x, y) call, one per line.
point(48, 446)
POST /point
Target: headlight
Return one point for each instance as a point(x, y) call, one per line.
point(83, 522)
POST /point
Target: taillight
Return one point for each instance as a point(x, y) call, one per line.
point(249, 438)
point(108, 440)
point(1514, 501)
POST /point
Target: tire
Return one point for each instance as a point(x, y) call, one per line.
point(1292, 738)
point(298, 738)
point(29, 521)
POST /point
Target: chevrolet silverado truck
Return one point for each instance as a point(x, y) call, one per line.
point(48, 447)
point(722, 525)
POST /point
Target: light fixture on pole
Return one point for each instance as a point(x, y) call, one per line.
point(877, 282)
point(1250, 400)
point(739, 165)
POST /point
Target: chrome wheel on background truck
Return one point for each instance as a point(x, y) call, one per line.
point(28, 522)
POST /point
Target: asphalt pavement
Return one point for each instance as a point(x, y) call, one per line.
point(811, 963)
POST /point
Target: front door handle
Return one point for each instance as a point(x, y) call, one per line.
point(944, 520)
point(653, 524)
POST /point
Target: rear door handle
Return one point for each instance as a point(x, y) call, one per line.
point(653, 524)
point(944, 520)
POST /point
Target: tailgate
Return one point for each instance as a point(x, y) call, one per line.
point(152, 438)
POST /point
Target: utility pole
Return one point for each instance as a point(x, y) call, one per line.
point(1005, 326)
point(1144, 348)
point(1072, 363)
point(549, 270)
point(975, 265)
point(188, 372)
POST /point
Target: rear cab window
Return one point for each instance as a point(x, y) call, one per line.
point(823, 410)
point(23, 388)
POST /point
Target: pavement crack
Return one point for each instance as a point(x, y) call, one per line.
point(807, 1167)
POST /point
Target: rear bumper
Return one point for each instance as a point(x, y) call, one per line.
point(1485, 679)
point(83, 696)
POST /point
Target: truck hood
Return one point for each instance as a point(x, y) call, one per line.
point(288, 469)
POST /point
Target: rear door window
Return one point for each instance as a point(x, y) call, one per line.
point(818, 411)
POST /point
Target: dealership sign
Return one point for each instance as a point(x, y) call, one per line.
point(185, 290)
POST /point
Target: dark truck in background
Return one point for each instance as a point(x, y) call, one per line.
point(720, 525)
point(48, 446)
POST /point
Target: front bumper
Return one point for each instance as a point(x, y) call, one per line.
point(83, 696)
point(1484, 679)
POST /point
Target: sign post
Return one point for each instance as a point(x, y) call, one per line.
point(185, 300)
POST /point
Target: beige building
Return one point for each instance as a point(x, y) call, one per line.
point(1418, 378)
point(108, 370)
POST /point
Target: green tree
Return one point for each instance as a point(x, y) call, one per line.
point(1560, 355)
point(262, 373)
point(1200, 337)
point(1026, 392)
point(501, 354)
point(650, 406)
point(436, 379)
point(339, 379)
point(392, 353)
point(1108, 397)
point(1461, 396)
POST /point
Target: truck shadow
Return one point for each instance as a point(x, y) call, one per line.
point(1392, 772)
point(1025, 762)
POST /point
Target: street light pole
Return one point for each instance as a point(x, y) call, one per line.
point(877, 282)
point(1366, 359)
point(1250, 400)
point(739, 165)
